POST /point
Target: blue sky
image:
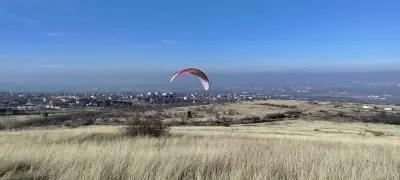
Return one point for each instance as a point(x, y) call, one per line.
point(97, 36)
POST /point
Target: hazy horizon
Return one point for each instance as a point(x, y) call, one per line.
point(152, 81)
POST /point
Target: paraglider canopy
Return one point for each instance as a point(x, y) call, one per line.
point(196, 72)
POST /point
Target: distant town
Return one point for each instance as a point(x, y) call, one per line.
point(59, 100)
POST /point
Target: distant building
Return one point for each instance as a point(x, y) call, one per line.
point(388, 109)
point(367, 107)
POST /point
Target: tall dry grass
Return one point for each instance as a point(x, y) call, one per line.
point(104, 153)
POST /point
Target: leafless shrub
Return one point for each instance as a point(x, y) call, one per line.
point(341, 114)
point(251, 119)
point(232, 112)
point(278, 105)
point(146, 126)
point(280, 116)
point(293, 113)
point(375, 133)
point(224, 121)
point(383, 117)
point(337, 104)
point(313, 102)
point(274, 116)
point(217, 116)
point(209, 109)
point(77, 119)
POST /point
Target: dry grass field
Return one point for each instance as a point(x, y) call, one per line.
point(314, 110)
point(295, 149)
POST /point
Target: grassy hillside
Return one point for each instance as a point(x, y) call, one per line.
point(243, 112)
point(279, 150)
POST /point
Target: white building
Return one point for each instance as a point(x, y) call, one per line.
point(388, 109)
point(367, 107)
